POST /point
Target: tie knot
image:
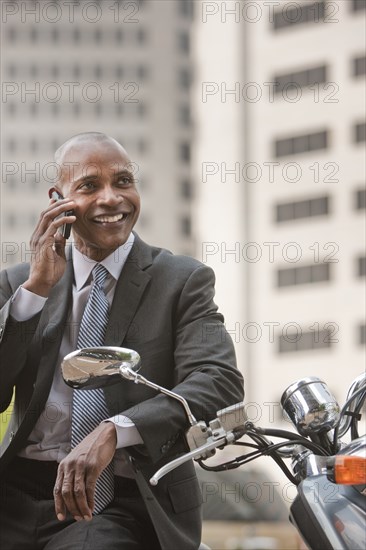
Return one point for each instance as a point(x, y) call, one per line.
point(99, 275)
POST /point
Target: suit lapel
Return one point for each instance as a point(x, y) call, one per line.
point(129, 290)
point(128, 295)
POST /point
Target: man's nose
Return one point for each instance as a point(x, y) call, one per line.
point(110, 195)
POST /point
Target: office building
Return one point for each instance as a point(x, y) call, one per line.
point(123, 68)
point(282, 192)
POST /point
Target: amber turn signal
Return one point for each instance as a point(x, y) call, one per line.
point(348, 470)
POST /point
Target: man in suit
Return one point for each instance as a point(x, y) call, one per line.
point(162, 306)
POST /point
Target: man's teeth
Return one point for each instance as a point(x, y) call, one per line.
point(109, 219)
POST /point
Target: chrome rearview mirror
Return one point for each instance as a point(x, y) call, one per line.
point(90, 368)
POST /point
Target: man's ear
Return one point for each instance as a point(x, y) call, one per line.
point(54, 193)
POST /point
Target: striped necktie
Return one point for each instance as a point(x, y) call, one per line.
point(89, 406)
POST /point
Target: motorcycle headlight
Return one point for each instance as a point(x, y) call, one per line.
point(310, 406)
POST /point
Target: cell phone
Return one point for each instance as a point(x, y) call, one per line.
point(66, 228)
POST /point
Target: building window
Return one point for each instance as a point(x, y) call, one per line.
point(184, 79)
point(33, 109)
point(300, 79)
point(141, 110)
point(141, 72)
point(186, 189)
point(119, 109)
point(185, 115)
point(301, 144)
point(12, 71)
point(293, 276)
point(12, 34)
point(76, 71)
point(359, 132)
point(298, 14)
point(55, 34)
point(359, 66)
point(358, 5)
point(302, 209)
point(10, 220)
point(33, 35)
point(304, 341)
point(32, 220)
point(361, 266)
point(360, 199)
point(12, 108)
point(362, 334)
point(33, 145)
point(12, 145)
point(142, 146)
point(141, 36)
point(186, 7)
point(119, 35)
point(77, 35)
point(31, 181)
point(55, 107)
point(186, 226)
point(10, 182)
point(77, 108)
point(55, 71)
point(185, 152)
point(34, 71)
point(119, 72)
point(184, 42)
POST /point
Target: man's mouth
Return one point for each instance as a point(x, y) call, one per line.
point(110, 219)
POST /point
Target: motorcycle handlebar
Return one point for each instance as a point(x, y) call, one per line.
point(230, 425)
point(220, 438)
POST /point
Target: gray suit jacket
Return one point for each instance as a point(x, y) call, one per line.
point(163, 308)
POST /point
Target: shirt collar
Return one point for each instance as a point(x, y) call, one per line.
point(114, 263)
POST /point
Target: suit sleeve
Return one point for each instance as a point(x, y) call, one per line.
point(205, 369)
point(14, 341)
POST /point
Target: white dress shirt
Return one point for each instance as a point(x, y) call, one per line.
point(51, 436)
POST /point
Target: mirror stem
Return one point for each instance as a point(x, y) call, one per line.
point(128, 373)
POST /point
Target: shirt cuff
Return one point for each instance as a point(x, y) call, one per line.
point(127, 433)
point(25, 304)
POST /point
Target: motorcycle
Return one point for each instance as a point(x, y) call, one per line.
point(329, 510)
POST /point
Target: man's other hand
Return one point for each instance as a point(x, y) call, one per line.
point(78, 472)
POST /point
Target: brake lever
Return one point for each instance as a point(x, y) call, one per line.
point(197, 453)
point(202, 452)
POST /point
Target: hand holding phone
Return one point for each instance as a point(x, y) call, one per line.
point(66, 228)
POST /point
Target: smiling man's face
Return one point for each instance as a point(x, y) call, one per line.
point(97, 175)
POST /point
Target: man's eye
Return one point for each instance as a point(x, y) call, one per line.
point(124, 180)
point(87, 185)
